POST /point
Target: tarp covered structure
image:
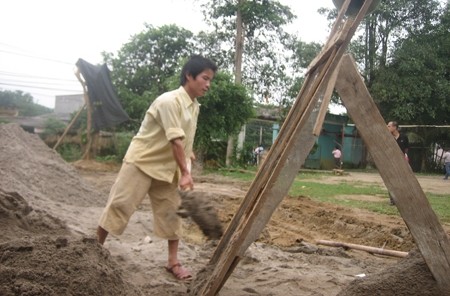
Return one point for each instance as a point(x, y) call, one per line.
point(106, 108)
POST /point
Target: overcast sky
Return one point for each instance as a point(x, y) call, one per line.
point(40, 41)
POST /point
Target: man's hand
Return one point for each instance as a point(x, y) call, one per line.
point(186, 182)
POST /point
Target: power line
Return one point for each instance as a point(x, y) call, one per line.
point(34, 82)
point(35, 57)
point(20, 75)
point(37, 79)
point(37, 87)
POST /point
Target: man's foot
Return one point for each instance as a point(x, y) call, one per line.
point(179, 272)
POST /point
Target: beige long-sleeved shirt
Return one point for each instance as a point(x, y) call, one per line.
point(172, 115)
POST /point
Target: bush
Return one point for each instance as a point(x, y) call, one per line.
point(69, 152)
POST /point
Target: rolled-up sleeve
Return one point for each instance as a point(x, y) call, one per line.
point(174, 133)
point(169, 115)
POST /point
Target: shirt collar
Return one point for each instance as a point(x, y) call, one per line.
point(186, 99)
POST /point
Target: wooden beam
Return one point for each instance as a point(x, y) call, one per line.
point(411, 201)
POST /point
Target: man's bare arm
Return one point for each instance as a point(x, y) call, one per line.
point(185, 181)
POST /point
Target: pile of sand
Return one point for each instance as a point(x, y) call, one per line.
point(39, 255)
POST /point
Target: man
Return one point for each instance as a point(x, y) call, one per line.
point(403, 143)
point(157, 162)
point(402, 139)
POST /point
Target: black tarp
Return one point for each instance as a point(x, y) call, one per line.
point(106, 108)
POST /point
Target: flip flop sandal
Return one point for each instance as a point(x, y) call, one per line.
point(179, 272)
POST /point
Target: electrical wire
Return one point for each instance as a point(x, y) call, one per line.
point(35, 85)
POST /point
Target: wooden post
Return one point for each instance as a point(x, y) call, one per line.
point(87, 151)
point(411, 201)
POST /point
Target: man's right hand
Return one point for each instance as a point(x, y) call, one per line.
point(186, 182)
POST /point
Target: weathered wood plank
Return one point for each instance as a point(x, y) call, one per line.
point(411, 201)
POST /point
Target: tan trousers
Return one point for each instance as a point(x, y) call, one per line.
point(127, 193)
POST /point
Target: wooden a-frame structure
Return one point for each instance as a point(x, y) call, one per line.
point(331, 69)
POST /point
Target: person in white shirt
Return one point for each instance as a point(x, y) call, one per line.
point(337, 154)
point(446, 160)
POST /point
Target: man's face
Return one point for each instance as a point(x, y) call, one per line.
point(391, 127)
point(200, 85)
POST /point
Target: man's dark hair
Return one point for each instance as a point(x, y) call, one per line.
point(395, 123)
point(196, 65)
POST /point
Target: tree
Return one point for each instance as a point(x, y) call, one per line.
point(224, 109)
point(257, 23)
point(23, 102)
point(403, 53)
point(391, 22)
point(150, 64)
point(145, 66)
point(260, 34)
point(415, 86)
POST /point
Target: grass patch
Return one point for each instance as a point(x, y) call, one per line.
point(308, 184)
point(440, 205)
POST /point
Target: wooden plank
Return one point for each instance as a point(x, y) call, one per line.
point(411, 201)
point(325, 102)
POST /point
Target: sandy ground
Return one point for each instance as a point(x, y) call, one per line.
point(49, 210)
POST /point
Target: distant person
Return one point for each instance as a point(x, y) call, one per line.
point(258, 152)
point(337, 155)
point(446, 161)
point(157, 162)
point(402, 139)
point(403, 143)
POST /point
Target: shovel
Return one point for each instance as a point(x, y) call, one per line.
point(200, 210)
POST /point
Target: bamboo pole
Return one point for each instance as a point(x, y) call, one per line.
point(87, 154)
point(372, 250)
point(69, 127)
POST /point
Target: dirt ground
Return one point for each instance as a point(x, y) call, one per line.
point(49, 211)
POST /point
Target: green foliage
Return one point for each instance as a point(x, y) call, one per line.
point(258, 15)
point(22, 102)
point(259, 132)
point(145, 66)
point(244, 157)
point(53, 126)
point(69, 152)
point(264, 68)
point(415, 86)
point(224, 109)
point(122, 142)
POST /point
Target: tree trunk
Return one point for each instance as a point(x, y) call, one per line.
point(237, 71)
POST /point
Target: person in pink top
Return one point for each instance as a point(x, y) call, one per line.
point(157, 162)
point(337, 154)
